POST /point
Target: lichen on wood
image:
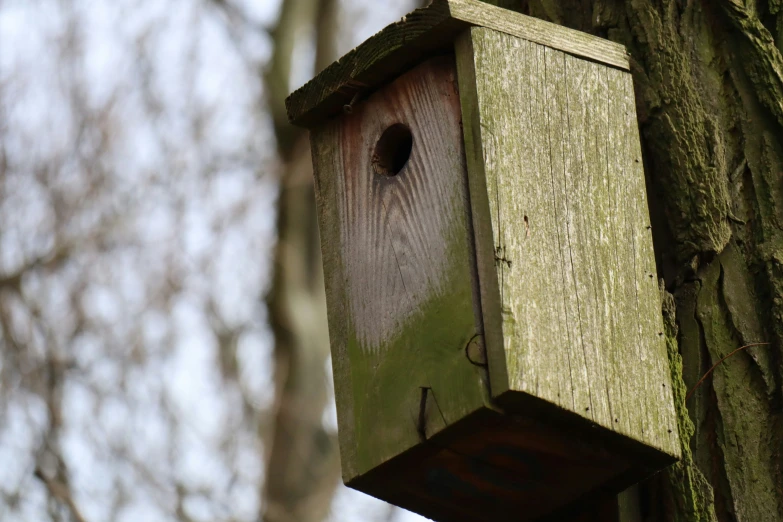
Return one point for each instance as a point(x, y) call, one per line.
point(708, 83)
point(559, 164)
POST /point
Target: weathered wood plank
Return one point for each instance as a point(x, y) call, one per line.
point(621, 357)
point(562, 260)
point(398, 261)
point(421, 34)
point(636, 370)
point(327, 159)
point(547, 140)
point(585, 170)
point(479, 187)
point(537, 239)
point(651, 341)
point(538, 31)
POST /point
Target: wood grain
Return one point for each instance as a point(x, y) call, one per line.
point(553, 160)
point(422, 34)
point(576, 43)
point(398, 263)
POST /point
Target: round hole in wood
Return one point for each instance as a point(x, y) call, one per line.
point(392, 150)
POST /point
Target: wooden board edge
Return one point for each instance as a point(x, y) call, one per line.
point(665, 393)
point(539, 31)
point(324, 162)
point(390, 52)
point(489, 290)
point(425, 32)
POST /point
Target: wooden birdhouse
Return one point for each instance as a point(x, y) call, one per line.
point(494, 313)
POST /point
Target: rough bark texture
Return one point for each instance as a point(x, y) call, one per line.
point(709, 91)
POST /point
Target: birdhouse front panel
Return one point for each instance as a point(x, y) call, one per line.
point(572, 306)
point(398, 253)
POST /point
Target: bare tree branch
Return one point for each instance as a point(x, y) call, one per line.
point(60, 492)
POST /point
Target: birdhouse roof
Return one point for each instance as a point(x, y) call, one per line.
point(421, 34)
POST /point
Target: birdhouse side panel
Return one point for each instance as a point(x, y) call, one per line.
point(391, 189)
point(553, 146)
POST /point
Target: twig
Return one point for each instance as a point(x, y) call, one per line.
point(61, 492)
point(703, 377)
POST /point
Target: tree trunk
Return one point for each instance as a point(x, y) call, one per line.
point(709, 91)
point(303, 464)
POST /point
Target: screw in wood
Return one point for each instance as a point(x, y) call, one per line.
point(348, 107)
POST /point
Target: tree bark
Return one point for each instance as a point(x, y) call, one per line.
point(709, 89)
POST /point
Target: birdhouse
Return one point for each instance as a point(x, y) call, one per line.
point(494, 313)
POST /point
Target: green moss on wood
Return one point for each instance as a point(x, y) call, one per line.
point(428, 351)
